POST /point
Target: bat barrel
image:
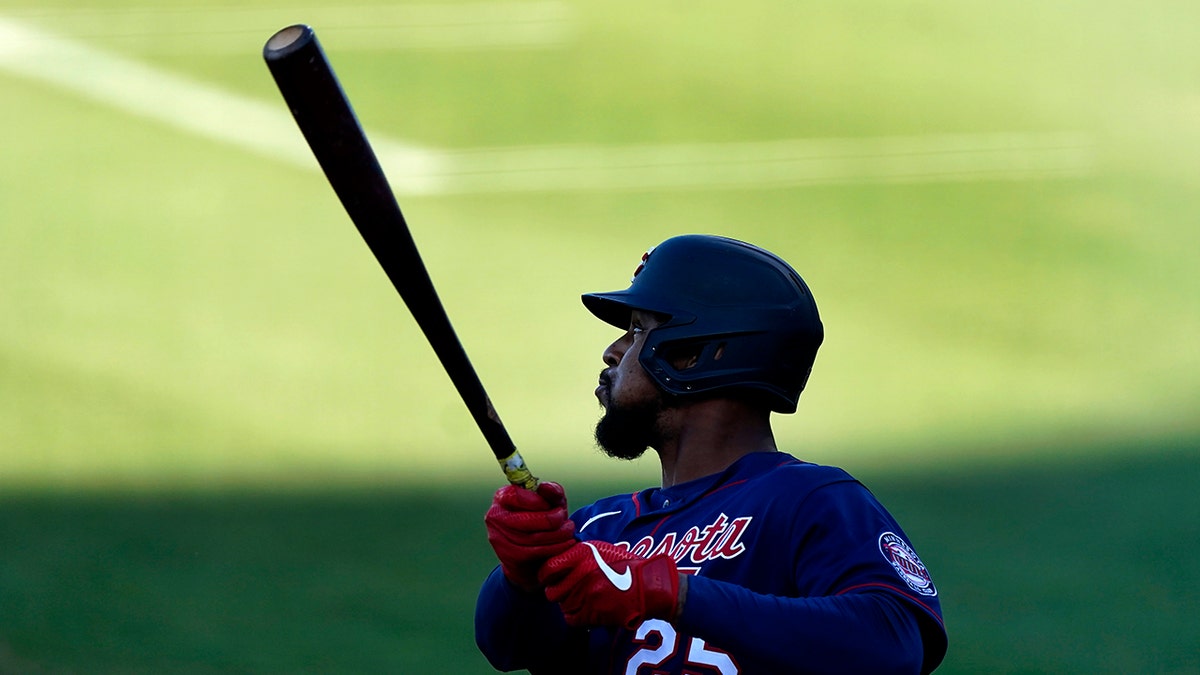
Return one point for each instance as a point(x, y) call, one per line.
point(288, 40)
point(322, 111)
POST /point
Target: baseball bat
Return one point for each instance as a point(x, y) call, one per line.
point(321, 109)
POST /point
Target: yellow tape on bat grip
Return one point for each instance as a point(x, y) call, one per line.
point(517, 473)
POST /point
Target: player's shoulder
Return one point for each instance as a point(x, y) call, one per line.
point(782, 469)
point(781, 478)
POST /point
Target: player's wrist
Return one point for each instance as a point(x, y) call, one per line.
point(681, 600)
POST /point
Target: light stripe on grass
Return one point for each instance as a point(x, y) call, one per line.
point(267, 129)
point(196, 107)
point(928, 158)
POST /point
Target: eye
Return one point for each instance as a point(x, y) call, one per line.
point(636, 327)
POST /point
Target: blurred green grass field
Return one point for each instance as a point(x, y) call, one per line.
point(209, 392)
point(1078, 569)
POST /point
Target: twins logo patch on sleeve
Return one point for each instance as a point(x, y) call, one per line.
point(906, 563)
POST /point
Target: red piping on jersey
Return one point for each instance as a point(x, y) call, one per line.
point(637, 506)
point(718, 489)
point(911, 597)
point(660, 524)
point(706, 494)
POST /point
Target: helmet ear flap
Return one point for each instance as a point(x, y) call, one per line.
point(729, 362)
point(689, 354)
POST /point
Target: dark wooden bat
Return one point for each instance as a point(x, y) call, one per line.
point(317, 101)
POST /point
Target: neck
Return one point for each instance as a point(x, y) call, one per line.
point(709, 436)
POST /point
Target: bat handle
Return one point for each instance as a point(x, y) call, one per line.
point(517, 473)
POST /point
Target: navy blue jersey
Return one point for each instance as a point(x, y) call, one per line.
point(796, 568)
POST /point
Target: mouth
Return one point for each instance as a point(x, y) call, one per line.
point(602, 389)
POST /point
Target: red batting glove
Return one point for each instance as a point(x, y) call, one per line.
point(598, 584)
point(526, 528)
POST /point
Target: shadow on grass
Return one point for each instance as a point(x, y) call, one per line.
point(1072, 568)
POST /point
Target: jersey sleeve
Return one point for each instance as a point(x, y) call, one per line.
point(862, 601)
point(516, 630)
point(867, 632)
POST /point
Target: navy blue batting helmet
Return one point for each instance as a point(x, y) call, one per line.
point(745, 312)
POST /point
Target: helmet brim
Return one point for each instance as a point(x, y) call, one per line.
point(611, 308)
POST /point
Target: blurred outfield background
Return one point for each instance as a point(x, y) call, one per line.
point(225, 447)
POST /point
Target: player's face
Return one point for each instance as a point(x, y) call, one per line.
point(632, 402)
point(624, 382)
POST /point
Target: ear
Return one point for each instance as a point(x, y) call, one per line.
point(689, 356)
point(683, 357)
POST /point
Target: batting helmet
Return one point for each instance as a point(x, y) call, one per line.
point(745, 312)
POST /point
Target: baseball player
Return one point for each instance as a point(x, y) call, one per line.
point(746, 559)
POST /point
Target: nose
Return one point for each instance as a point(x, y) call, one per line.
point(616, 351)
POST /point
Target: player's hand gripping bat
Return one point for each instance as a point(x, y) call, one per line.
point(315, 97)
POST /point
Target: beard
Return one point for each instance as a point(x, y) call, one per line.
point(627, 431)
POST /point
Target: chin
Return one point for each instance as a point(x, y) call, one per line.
point(626, 432)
